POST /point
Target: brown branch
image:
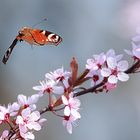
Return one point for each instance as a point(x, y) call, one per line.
point(46, 109)
point(92, 89)
point(133, 68)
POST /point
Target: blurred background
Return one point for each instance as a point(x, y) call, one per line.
point(87, 27)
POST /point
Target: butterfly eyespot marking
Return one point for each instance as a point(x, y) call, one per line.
point(53, 37)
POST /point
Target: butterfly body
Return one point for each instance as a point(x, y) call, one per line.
point(33, 37)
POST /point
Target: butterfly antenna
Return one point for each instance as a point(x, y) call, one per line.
point(9, 51)
point(39, 22)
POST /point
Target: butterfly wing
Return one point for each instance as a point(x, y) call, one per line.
point(43, 37)
point(9, 51)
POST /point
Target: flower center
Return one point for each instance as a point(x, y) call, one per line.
point(7, 116)
point(95, 78)
point(114, 72)
point(99, 66)
point(49, 90)
point(26, 105)
point(66, 118)
point(61, 78)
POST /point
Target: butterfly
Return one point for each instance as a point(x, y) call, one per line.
point(33, 37)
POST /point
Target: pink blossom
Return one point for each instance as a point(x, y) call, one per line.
point(71, 106)
point(68, 122)
point(71, 114)
point(4, 114)
point(13, 108)
point(115, 70)
point(28, 121)
point(59, 75)
point(95, 76)
point(49, 86)
point(25, 102)
point(135, 51)
point(96, 62)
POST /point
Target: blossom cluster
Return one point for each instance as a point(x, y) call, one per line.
point(21, 118)
point(57, 82)
point(62, 87)
point(107, 66)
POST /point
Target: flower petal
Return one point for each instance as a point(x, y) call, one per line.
point(119, 57)
point(110, 86)
point(91, 64)
point(111, 62)
point(122, 65)
point(19, 120)
point(33, 99)
point(41, 121)
point(22, 99)
point(67, 111)
point(64, 100)
point(30, 136)
point(66, 82)
point(136, 51)
point(26, 112)
point(123, 76)
point(69, 127)
point(74, 102)
point(105, 72)
point(58, 90)
point(34, 116)
point(110, 53)
point(22, 128)
point(75, 114)
point(1, 116)
point(5, 134)
point(112, 79)
point(37, 88)
point(34, 125)
point(15, 106)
